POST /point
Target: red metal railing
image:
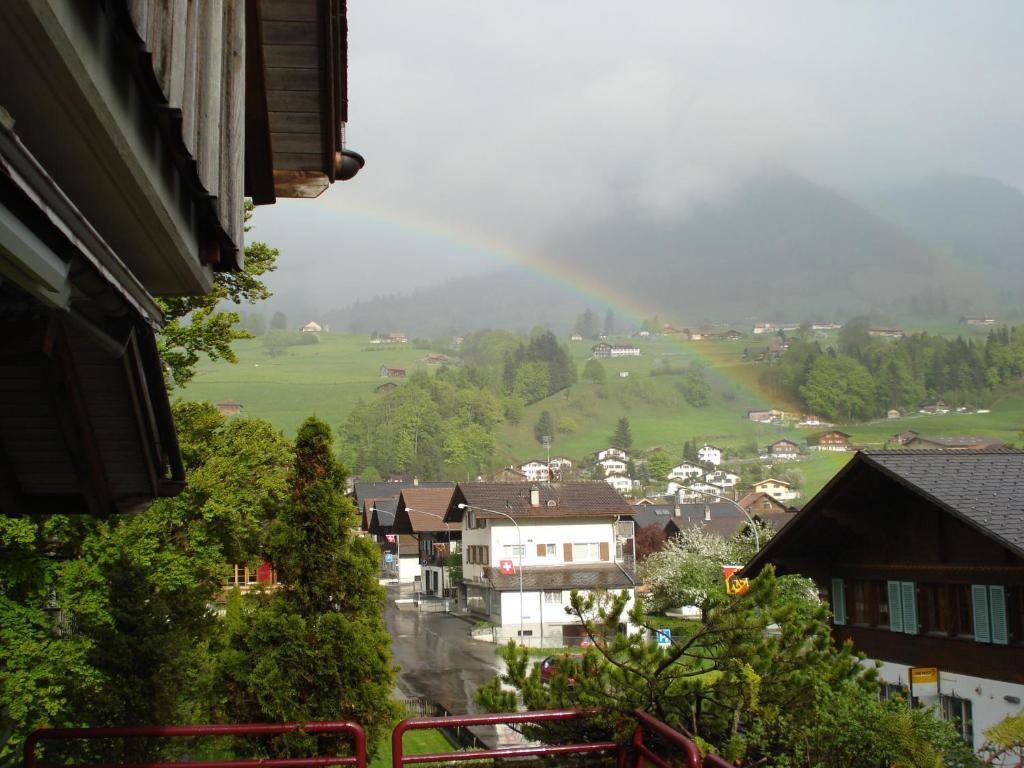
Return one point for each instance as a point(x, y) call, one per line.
point(399, 758)
point(641, 752)
point(245, 729)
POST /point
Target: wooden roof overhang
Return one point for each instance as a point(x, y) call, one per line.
point(297, 98)
point(870, 522)
point(85, 423)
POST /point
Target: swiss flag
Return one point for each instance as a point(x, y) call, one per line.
point(507, 568)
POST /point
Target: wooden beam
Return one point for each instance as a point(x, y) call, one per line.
point(259, 154)
point(74, 422)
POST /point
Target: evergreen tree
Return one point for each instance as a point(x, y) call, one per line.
point(279, 322)
point(257, 324)
point(545, 426)
point(609, 322)
point(623, 437)
point(316, 648)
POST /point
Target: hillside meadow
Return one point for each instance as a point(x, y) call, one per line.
point(328, 378)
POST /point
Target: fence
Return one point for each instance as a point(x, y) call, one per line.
point(210, 731)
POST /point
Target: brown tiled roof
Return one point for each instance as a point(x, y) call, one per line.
point(574, 499)
point(421, 510)
point(754, 496)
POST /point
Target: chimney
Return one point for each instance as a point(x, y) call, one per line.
point(415, 481)
point(534, 496)
point(676, 510)
point(707, 512)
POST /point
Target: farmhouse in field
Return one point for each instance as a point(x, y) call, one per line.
point(832, 440)
point(392, 372)
point(606, 350)
point(311, 327)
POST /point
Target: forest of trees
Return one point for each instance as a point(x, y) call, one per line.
point(863, 377)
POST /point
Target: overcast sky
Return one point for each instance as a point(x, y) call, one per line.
point(503, 120)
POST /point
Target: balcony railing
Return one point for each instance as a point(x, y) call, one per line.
point(674, 749)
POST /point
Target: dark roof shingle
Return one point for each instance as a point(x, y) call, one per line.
point(985, 487)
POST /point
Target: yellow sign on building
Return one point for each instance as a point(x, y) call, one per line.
point(920, 675)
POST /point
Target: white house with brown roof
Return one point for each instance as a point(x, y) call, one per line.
point(614, 453)
point(555, 536)
point(620, 483)
point(420, 513)
point(686, 471)
point(612, 466)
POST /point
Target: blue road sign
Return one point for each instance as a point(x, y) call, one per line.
point(663, 637)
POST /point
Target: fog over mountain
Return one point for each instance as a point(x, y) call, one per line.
point(597, 134)
point(779, 246)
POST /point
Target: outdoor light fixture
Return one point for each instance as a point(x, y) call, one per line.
point(347, 164)
point(750, 521)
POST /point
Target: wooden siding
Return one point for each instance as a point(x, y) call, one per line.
point(198, 59)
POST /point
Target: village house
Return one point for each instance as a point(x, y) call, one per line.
point(556, 538)
point(381, 499)
point(397, 338)
point(535, 471)
point(576, 337)
point(722, 478)
point(686, 471)
point(832, 440)
point(709, 454)
point(311, 327)
point(825, 326)
point(612, 466)
point(935, 407)
point(886, 333)
point(561, 467)
point(953, 443)
point(920, 555)
point(604, 350)
point(128, 144)
point(761, 505)
point(392, 372)
point(783, 450)
point(779, 490)
point(762, 328)
point(229, 408)
point(695, 492)
point(436, 359)
point(387, 386)
point(612, 453)
point(419, 513)
point(977, 320)
point(621, 483)
point(892, 413)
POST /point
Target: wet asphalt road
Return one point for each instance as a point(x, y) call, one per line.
point(438, 659)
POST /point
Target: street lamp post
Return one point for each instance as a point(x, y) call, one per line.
point(448, 528)
point(750, 520)
point(519, 537)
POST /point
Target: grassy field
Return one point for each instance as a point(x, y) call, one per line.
point(415, 743)
point(328, 378)
point(325, 379)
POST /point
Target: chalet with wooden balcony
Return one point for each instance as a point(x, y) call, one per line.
point(921, 556)
point(130, 133)
point(419, 513)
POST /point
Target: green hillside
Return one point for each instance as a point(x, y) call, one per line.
point(325, 379)
point(328, 378)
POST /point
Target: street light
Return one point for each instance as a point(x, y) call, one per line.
point(448, 528)
point(750, 520)
point(519, 537)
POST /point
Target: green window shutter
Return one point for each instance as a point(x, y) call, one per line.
point(838, 602)
point(908, 596)
point(997, 612)
point(979, 606)
point(895, 607)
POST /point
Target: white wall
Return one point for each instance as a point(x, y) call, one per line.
point(408, 568)
point(986, 696)
point(539, 616)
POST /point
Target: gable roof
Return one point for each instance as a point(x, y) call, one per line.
point(984, 489)
point(755, 496)
point(421, 510)
point(391, 489)
point(382, 515)
point(594, 498)
point(773, 480)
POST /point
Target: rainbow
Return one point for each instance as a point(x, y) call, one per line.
point(590, 290)
point(463, 238)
